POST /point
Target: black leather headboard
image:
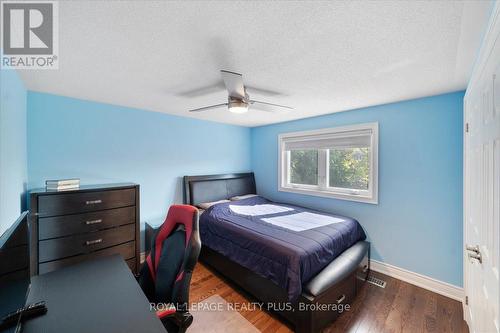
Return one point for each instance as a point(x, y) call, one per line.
point(198, 189)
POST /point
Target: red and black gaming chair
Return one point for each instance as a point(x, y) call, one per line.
point(166, 274)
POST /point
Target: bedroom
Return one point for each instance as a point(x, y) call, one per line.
point(368, 130)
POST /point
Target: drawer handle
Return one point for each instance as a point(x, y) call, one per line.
point(93, 202)
point(93, 222)
point(341, 299)
point(92, 242)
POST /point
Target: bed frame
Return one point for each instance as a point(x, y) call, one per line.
point(338, 283)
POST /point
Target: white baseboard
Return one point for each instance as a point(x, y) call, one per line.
point(419, 280)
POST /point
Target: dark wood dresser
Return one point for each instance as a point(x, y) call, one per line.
point(67, 227)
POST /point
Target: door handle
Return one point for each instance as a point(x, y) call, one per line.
point(476, 256)
point(474, 249)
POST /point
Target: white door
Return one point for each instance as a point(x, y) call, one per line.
point(482, 188)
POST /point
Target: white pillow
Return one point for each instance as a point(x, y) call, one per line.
point(207, 205)
point(241, 197)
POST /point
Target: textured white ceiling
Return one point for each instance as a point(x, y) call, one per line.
point(319, 57)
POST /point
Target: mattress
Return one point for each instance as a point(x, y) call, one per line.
point(284, 243)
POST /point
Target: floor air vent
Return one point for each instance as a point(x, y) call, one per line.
point(376, 281)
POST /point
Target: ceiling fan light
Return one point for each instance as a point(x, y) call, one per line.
point(237, 106)
point(238, 109)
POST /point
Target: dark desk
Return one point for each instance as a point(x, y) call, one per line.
point(95, 296)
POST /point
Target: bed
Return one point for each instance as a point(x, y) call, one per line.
point(302, 264)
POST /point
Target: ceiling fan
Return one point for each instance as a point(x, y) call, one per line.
point(238, 100)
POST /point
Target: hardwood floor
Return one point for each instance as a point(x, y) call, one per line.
point(400, 307)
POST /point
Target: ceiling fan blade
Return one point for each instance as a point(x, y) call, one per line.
point(264, 106)
point(203, 90)
point(234, 84)
point(262, 91)
point(208, 107)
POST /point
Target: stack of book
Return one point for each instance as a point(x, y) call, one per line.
point(62, 184)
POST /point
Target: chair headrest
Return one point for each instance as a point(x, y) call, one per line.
point(184, 215)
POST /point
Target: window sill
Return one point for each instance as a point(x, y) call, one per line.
point(328, 194)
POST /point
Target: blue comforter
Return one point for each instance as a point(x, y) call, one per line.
point(284, 243)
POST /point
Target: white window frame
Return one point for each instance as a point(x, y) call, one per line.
point(322, 189)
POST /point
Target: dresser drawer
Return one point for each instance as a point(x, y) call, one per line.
point(52, 249)
point(71, 203)
point(127, 251)
point(60, 226)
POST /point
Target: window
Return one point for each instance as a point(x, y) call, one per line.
point(337, 162)
point(304, 167)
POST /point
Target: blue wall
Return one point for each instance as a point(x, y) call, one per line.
point(417, 224)
point(13, 174)
point(102, 143)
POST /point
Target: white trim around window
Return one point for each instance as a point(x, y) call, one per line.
point(360, 135)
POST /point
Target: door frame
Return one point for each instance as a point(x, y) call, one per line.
point(465, 306)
